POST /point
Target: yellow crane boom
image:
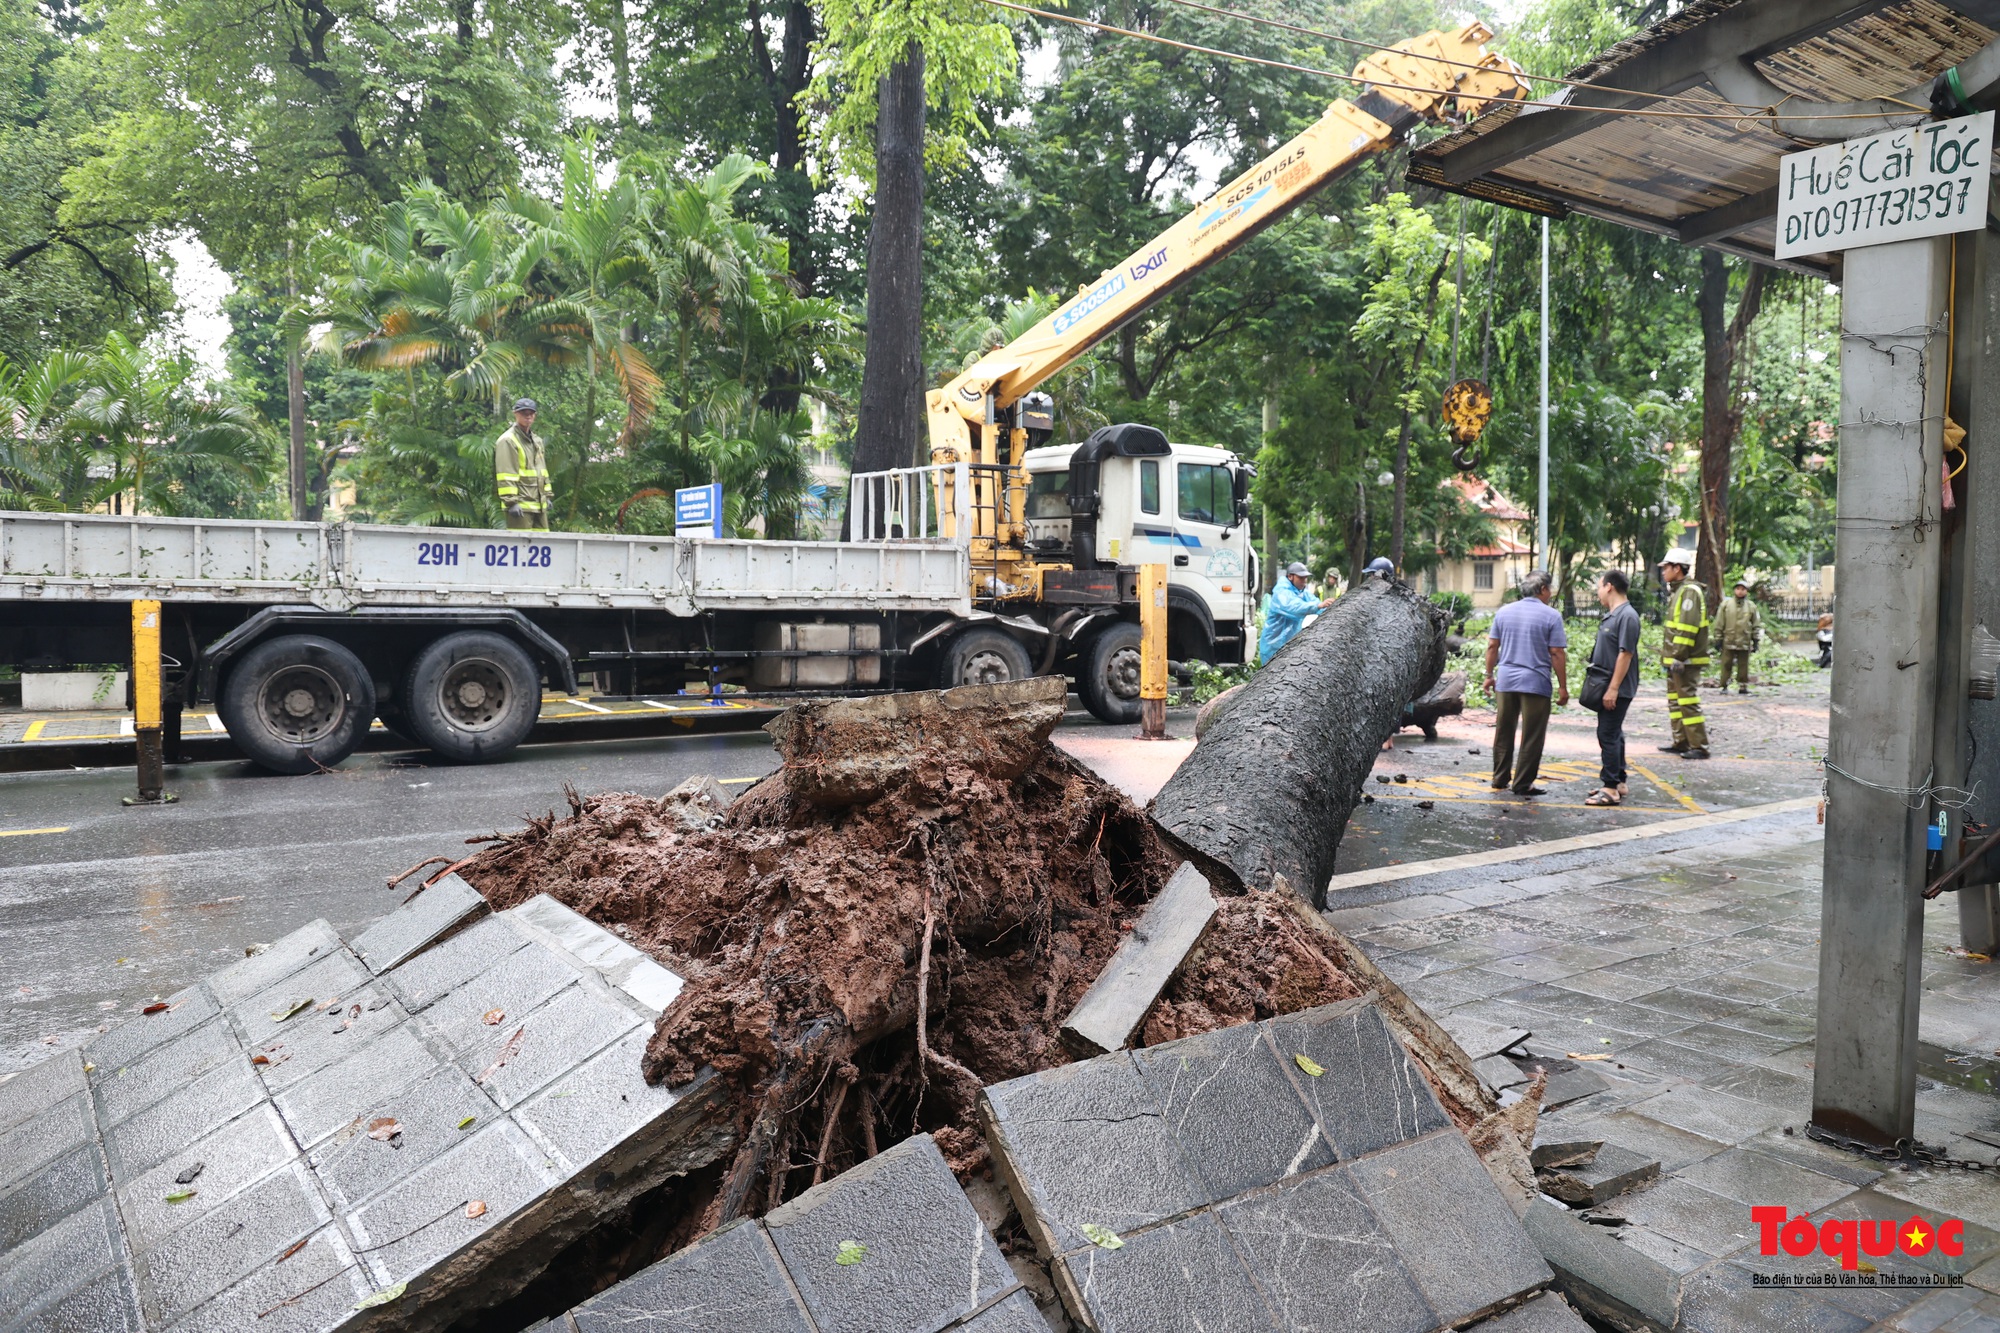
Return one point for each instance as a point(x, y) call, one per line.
point(979, 418)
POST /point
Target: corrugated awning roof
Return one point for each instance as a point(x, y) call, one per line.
point(1705, 182)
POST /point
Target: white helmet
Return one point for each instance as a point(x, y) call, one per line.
point(1679, 555)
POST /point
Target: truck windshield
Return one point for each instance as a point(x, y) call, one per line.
point(1048, 495)
point(1203, 493)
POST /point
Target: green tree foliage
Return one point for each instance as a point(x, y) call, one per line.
point(77, 430)
point(638, 283)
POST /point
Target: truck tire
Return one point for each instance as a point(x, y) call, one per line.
point(297, 703)
point(472, 696)
point(1108, 678)
point(983, 657)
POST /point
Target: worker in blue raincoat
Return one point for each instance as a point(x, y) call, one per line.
point(1286, 609)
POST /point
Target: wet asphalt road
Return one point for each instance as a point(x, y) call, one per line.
point(127, 904)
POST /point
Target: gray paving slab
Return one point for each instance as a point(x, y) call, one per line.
point(730, 1280)
point(1596, 1268)
point(1674, 1148)
point(1370, 1095)
point(312, 1041)
point(1711, 1114)
point(1717, 1301)
point(354, 1166)
point(1682, 1259)
point(1111, 1011)
point(458, 1022)
point(216, 1167)
point(38, 1087)
point(1015, 1314)
point(1438, 1204)
point(1085, 1144)
point(403, 1231)
point(1240, 1119)
point(1754, 1177)
point(544, 1043)
point(239, 981)
point(340, 1093)
point(1547, 1313)
point(307, 995)
point(587, 1111)
point(61, 1129)
point(167, 1069)
point(616, 963)
point(478, 949)
point(926, 1259)
point(149, 1137)
point(1615, 1170)
point(1323, 1260)
point(1182, 1277)
point(131, 1040)
point(60, 1260)
point(1687, 1213)
point(416, 925)
point(107, 1303)
point(315, 1287)
point(59, 1188)
point(201, 1259)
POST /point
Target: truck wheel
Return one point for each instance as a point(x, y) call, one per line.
point(472, 696)
point(297, 703)
point(1109, 678)
point(984, 657)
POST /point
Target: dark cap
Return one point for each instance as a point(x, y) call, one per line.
point(525, 405)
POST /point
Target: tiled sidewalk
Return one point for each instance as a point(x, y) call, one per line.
point(1694, 968)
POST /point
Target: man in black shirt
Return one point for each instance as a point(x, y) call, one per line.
point(1615, 658)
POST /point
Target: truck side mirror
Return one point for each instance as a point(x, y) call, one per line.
point(1241, 477)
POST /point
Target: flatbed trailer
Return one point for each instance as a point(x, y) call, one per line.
point(302, 633)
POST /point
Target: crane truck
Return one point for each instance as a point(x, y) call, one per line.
point(1004, 557)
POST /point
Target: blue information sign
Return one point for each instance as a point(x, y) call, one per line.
point(698, 507)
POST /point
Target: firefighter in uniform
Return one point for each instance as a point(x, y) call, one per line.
point(1741, 630)
point(1684, 648)
point(521, 471)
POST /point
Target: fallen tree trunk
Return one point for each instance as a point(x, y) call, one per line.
point(1264, 798)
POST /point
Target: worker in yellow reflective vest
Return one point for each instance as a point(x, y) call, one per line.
point(521, 471)
point(1684, 650)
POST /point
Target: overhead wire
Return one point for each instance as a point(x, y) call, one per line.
point(1738, 118)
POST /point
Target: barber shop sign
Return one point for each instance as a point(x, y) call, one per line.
point(1925, 180)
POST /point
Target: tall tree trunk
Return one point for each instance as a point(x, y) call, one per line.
point(621, 61)
point(892, 376)
point(1269, 573)
point(1403, 432)
point(1722, 338)
point(295, 406)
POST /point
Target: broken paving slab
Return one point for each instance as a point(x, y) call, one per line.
point(441, 908)
point(1112, 1010)
point(1610, 1172)
point(1297, 1173)
point(216, 1167)
point(891, 1246)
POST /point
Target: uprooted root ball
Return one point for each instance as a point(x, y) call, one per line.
point(859, 972)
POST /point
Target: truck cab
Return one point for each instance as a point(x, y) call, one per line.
point(1184, 505)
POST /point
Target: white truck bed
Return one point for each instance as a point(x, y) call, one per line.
point(95, 557)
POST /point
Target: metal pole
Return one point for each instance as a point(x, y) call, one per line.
point(1542, 488)
point(146, 705)
point(1153, 652)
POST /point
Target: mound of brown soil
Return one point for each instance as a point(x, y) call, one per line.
point(860, 970)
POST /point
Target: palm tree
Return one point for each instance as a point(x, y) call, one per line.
point(42, 465)
point(145, 414)
point(700, 259)
point(590, 244)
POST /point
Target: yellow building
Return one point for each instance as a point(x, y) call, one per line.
point(1487, 571)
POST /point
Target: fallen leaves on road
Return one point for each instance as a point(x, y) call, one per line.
point(296, 1007)
point(1104, 1238)
point(1957, 951)
point(1310, 1065)
point(382, 1297)
point(297, 1245)
point(188, 1176)
point(477, 1208)
point(1590, 1055)
point(384, 1128)
point(468, 1120)
point(156, 1007)
point(850, 1253)
point(180, 1196)
point(494, 1017)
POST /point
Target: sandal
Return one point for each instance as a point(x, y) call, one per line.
point(1602, 796)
